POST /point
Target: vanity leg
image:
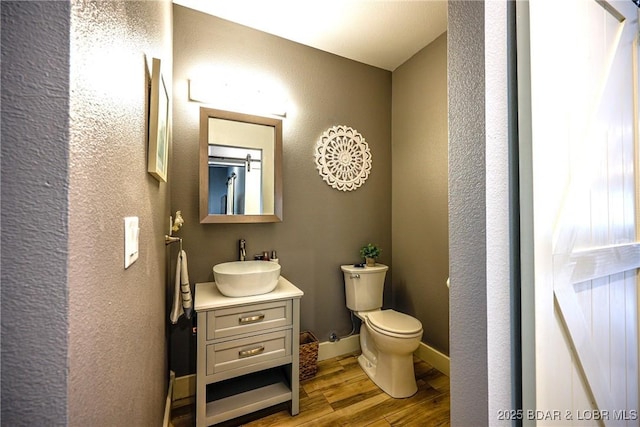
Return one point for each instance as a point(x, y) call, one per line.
point(201, 386)
point(295, 363)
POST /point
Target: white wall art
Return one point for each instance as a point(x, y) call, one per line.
point(158, 155)
point(343, 158)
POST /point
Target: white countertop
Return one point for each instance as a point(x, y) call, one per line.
point(207, 295)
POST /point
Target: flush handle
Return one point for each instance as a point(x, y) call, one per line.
point(251, 319)
point(253, 352)
point(355, 276)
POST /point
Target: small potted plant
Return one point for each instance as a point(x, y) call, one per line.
point(370, 252)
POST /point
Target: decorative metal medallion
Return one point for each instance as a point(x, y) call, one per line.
point(343, 158)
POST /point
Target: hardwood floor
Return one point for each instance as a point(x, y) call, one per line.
point(341, 394)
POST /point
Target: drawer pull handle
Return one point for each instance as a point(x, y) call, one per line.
point(251, 319)
point(252, 352)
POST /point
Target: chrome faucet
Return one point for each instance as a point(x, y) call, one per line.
point(243, 250)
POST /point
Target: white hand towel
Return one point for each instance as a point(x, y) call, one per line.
point(185, 288)
point(182, 295)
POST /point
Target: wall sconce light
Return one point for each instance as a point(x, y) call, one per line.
point(241, 98)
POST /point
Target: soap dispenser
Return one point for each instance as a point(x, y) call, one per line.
point(274, 257)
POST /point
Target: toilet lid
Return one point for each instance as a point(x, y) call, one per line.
point(394, 322)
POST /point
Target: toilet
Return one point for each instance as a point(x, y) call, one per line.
point(387, 338)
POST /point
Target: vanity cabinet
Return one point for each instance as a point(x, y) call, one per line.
point(247, 356)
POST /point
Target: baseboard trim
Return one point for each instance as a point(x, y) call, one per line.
point(167, 405)
point(327, 350)
point(434, 358)
point(185, 387)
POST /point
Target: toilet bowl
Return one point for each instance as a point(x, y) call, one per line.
point(387, 338)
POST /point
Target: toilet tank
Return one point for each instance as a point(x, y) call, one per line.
point(364, 286)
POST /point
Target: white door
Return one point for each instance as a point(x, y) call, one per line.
point(585, 167)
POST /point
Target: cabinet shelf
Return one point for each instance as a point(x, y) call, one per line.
point(248, 393)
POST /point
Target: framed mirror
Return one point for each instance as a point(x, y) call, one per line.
point(240, 167)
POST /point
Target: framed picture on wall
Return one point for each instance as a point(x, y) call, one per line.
point(158, 156)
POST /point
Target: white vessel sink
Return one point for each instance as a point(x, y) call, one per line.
point(246, 278)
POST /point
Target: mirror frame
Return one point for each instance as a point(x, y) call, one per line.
point(205, 216)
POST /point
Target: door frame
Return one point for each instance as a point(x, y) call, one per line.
point(527, 271)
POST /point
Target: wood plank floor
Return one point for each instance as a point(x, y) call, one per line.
point(341, 394)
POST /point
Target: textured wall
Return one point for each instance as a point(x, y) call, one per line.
point(35, 151)
point(117, 317)
point(322, 227)
point(467, 214)
point(481, 248)
point(420, 204)
point(483, 373)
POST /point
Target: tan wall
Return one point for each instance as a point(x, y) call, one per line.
point(323, 227)
point(419, 207)
point(117, 356)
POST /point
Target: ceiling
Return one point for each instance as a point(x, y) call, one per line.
point(382, 33)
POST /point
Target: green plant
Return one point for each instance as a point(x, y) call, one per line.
point(370, 251)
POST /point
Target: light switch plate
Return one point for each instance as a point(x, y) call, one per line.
point(131, 235)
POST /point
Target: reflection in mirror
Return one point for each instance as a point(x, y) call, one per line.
point(240, 167)
point(235, 180)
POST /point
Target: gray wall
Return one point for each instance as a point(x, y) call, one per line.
point(467, 214)
point(35, 153)
point(483, 358)
point(322, 227)
point(419, 191)
point(83, 340)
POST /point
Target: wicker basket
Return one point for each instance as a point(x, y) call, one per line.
point(308, 355)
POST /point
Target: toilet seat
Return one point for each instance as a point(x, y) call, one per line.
point(393, 323)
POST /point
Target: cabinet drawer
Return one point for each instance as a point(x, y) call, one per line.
point(247, 351)
point(249, 318)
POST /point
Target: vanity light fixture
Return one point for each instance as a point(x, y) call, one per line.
point(239, 98)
